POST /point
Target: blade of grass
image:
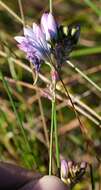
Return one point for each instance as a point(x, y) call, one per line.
point(6, 86)
point(92, 5)
point(12, 66)
point(84, 75)
point(21, 11)
point(86, 51)
point(11, 12)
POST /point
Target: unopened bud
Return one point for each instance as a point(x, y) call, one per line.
point(64, 171)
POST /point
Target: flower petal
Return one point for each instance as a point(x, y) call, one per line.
point(64, 169)
point(52, 25)
point(44, 25)
point(19, 39)
point(40, 41)
point(28, 32)
point(37, 31)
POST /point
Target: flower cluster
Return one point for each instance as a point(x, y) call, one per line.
point(49, 38)
point(67, 38)
point(72, 172)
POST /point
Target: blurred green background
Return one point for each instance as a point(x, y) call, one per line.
point(32, 108)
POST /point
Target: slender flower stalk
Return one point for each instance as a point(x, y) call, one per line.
point(54, 124)
point(50, 5)
point(52, 121)
point(51, 139)
point(56, 138)
point(55, 121)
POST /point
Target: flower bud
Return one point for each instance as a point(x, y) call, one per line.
point(64, 171)
point(49, 26)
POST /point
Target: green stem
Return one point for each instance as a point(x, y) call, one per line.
point(54, 125)
point(84, 76)
point(51, 138)
point(56, 138)
point(93, 6)
point(50, 6)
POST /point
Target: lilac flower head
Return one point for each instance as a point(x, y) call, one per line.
point(39, 42)
point(34, 44)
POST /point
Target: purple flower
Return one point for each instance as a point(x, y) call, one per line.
point(49, 38)
point(49, 26)
point(34, 43)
